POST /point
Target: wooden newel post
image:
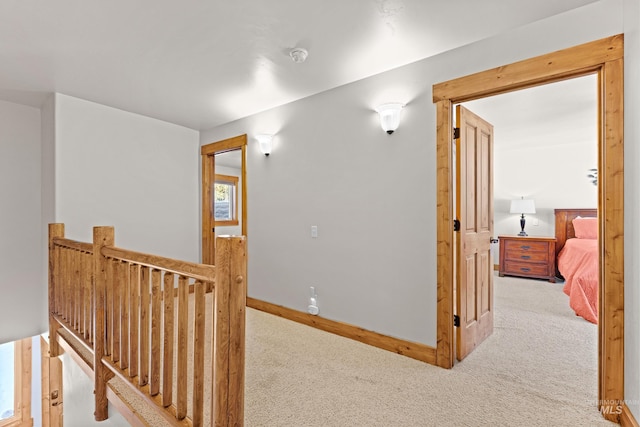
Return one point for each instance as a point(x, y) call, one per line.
point(55, 230)
point(227, 405)
point(102, 236)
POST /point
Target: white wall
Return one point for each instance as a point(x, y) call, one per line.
point(133, 172)
point(371, 195)
point(47, 179)
point(632, 207)
point(78, 398)
point(21, 274)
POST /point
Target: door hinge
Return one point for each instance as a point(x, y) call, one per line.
point(456, 225)
point(456, 321)
point(456, 133)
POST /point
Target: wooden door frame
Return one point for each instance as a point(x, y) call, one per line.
point(602, 57)
point(208, 153)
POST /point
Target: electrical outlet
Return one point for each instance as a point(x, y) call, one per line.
point(314, 231)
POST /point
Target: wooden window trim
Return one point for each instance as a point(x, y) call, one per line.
point(22, 386)
point(234, 181)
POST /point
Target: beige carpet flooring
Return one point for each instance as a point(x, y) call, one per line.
point(539, 368)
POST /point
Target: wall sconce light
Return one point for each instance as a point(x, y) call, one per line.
point(522, 206)
point(390, 116)
point(265, 140)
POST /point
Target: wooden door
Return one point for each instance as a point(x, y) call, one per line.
point(474, 210)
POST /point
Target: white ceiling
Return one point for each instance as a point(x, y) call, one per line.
point(564, 112)
point(201, 63)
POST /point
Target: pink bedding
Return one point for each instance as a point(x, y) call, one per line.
point(578, 264)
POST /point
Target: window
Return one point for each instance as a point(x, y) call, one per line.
point(7, 387)
point(15, 384)
point(225, 200)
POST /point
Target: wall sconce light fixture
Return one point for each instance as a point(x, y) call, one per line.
point(522, 206)
point(265, 140)
point(390, 116)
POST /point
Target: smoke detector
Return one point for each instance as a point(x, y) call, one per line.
point(298, 55)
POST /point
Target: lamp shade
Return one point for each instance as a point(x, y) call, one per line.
point(389, 116)
point(523, 206)
point(265, 143)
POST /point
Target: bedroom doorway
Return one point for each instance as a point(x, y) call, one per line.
point(224, 192)
point(604, 58)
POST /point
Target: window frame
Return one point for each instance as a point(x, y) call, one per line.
point(21, 386)
point(232, 181)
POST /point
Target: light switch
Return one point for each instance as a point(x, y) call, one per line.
point(314, 231)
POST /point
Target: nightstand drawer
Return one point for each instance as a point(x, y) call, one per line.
point(523, 268)
point(515, 245)
point(526, 256)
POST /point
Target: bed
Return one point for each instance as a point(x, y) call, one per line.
point(577, 259)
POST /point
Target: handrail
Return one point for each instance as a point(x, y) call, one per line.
point(73, 244)
point(183, 268)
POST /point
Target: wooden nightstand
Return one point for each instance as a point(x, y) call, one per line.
point(532, 257)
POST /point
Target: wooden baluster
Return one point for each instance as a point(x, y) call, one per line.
point(168, 336)
point(183, 350)
point(81, 292)
point(55, 230)
point(88, 292)
point(108, 291)
point(55, 272)
point(156, 324)
point(65, 283)
point(125, 293)
point(115, 310)
point(198, 353)
point(82, 285)
point(69, 290)
point(77, 286)
point(73, 280)
point(92, 299)
point(134, 325)
point(143, 364)
point(102, 236)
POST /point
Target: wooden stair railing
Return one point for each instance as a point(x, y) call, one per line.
point(133, 311)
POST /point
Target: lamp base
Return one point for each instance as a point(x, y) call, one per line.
point(522, 222)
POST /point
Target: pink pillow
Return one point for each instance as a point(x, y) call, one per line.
point(586, 228)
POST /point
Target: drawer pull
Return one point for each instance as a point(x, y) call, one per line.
point(525, 269)
point(525, 256)
point(525, 247)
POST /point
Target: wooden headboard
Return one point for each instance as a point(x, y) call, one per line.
point(564, 224)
